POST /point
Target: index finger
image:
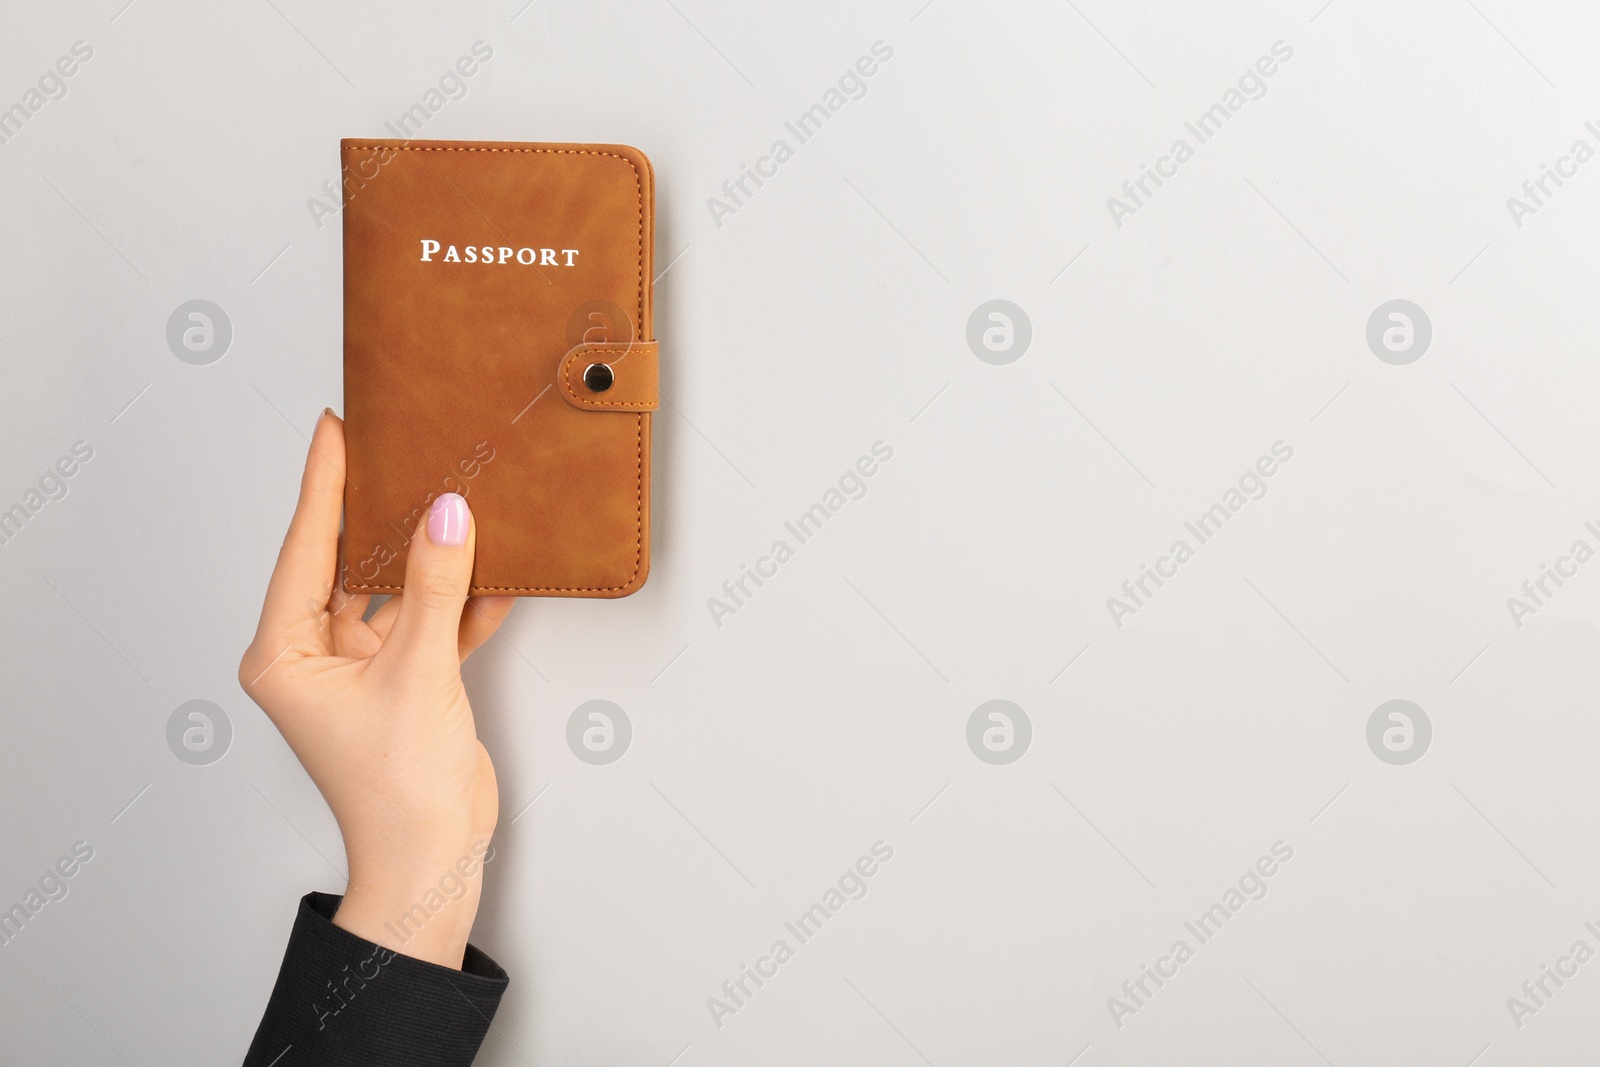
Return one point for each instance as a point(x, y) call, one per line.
point(302, 582)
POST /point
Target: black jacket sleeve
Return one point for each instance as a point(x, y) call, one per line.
point(342, 1001)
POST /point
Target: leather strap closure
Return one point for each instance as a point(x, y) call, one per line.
point(632, 373)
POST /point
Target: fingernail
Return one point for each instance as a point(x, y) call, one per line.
point(447, 521)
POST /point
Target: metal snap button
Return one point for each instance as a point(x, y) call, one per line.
point(598, 377)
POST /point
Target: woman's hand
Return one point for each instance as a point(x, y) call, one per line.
point(376, 713)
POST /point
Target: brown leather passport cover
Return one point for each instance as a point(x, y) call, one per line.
point(482, 284)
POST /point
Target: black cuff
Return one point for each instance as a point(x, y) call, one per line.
point(342, 1001)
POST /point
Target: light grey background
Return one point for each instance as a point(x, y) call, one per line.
point(830, 712)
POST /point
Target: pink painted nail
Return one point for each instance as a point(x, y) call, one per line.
point(447, 521)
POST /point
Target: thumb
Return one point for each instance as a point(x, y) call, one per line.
point(438, 577)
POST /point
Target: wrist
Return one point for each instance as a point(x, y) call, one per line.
point(419, 907)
